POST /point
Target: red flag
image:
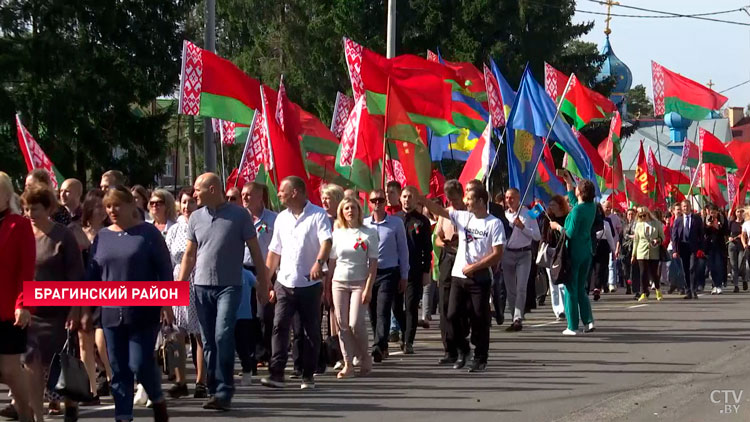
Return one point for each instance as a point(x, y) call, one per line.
point(742, 186)
point(711, 187)
point(636, 196)
point(34, 155)
point(740, 151)
point(644, 181)
point(654, 168)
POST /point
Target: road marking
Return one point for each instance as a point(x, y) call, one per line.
point(546, 323)
point(637, 306)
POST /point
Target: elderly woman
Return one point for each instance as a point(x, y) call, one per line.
point(131, 250)
point(649, 235)
point(577, 228)
point(16, 265)
point(186, 317)
point(58, 257)
point(331, 195)
point(353, 266)
point(162, 209)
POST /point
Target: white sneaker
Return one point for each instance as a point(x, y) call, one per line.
point(150, 404)
point(718, 290)
point(247, 379)
point(355, 362)
point(589, 328)
point(568, 332)
point(612, 288)
point(140, 398)
point(338, 366)
point(307, 385)
point(713, 291)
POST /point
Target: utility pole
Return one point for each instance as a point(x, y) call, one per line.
point(391, 30)
point(209, 43)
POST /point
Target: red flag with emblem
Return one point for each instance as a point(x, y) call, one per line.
point(33, 154)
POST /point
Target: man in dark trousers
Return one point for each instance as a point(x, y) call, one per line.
point(419, 242)
point(687, 244)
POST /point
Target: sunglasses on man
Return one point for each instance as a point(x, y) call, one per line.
point(377, 200)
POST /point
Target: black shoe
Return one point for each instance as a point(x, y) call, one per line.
point(71, 414)
point(460, 362)
point(102, 388)
point(408, 349)
point(9, 412)
point(477, 366)
point(688, 296)
point(201, 392)
point(637, 296)
point(736, 289)
point(178, 390)
point(744, 285)
point(95, 401)
point(597, 294)
point(160, 412)
point(447, 360)
point(500, 321)
point(671, 290)
point(516, 326)
point(377, 355)
point(394, 337)
point(215, 404)
point(296, 374)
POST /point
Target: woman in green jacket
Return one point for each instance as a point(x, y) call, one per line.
point(578, 230)
point(649, 235)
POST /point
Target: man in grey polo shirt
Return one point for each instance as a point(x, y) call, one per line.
point(217, 234)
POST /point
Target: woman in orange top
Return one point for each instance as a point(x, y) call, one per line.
point(17, 262)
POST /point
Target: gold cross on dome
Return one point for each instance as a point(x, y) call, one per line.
point(609, 4)
point(710, 84)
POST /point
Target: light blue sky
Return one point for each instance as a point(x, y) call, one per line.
point(700, 50)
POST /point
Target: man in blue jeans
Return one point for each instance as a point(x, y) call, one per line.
point(217, 234)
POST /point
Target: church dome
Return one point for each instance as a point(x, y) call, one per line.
point(615, 67)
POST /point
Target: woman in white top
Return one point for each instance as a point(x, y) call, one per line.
point(162, 209)
point(352, 268)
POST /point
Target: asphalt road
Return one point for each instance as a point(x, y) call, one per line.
point(673, 360)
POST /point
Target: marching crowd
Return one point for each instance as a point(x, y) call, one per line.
point(304, 279)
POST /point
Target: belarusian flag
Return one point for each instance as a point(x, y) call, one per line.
point(426, 96)
point(676, 183)
point(319, 146)
point(714, 151)
point(34, 156)
point(230, 132)
point(742, 184)
point(469, 80)
point(689, 99)
point(494, 98)
point(406, 144)
point(690, 154)
point(711, 187)
point(480, 159)
point(341, 110)
point(580, 103)
point(610, 149)
point(360, 153)
point(654, 168)
point(214, 87)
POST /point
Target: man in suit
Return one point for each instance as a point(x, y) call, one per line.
point(687, 244)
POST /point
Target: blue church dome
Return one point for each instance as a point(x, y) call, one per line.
point(615, 67)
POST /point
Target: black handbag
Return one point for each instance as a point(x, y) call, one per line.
point(560, 268)
point(67, 375)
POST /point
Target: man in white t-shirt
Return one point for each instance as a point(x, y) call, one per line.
point(480, 247)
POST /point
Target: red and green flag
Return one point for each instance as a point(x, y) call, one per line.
point(230, 133)
point(654, 168)
point(711, 188)
point(34, 156)
point(214, 87)
point(426, 96)
point(580, 103)
point(676, 93)
point(360, 153)
point(406, 145)
point(690, 154)
point(609, 150)
point(714, 151)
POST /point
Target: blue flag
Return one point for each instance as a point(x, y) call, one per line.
point(536, 211)
point(530, 120)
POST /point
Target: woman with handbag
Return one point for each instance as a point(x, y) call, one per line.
point(647, 243)
point(577, 228)
point(16, 265)
point(58, 257)
point(352, 267)
point(131, 250)
point(558, 210)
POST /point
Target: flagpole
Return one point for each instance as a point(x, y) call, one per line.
point(658, 151)
point(385, 135)
point(223, 166)
point(544, 143)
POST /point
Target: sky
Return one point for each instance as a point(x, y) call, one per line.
point(700, 50)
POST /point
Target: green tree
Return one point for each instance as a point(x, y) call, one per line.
point(79, 72)
point(638, 102)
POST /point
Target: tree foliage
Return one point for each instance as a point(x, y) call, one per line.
point(83, 75)
point(639, 104)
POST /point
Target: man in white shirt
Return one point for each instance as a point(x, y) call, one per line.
point(299, 247)
point(480, 247)
point(517, 257)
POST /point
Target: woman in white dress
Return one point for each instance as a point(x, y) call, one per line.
point(186, 317)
